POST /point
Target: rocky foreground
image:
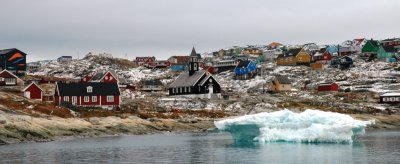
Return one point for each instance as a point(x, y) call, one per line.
point(15, 128)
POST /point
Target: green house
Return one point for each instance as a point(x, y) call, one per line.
point(385, 52)
point(371, 47)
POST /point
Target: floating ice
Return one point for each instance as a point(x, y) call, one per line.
point(287, 126)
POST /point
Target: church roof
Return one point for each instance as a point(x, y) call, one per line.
point(185, 80)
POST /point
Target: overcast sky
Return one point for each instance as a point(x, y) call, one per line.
point(46, 29)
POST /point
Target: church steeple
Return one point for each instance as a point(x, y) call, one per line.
point(193, 62)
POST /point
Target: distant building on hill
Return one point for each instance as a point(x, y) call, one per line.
point(63, 59)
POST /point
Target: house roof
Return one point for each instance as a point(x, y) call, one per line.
point(181, 59)
point(98, 76)
point(152, 82)
point(374, 43)
point(283, 79)
point(243, 63)
point(9, 73)
point(293, 52)
point(6, 51)
point(389, 49)
point(184, 80)
point(80, 89)
point(31, 85)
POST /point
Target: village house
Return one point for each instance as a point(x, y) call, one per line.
point(294, 56)
point(33, 66)
point(328, 87)
point(33, 91)
point(195, 82)
point(280, 84)
point(151, 85)
point(158, 64)
point(322, 56)
point(64, 59)
point(370, 49)
point(103, 77)
point(13, 60)
point(223, 65)
point(245, 70)
point(252, 51)
point(104, 95)
point(42, 92)
point(7, 78)
point(274, 45)
point(271, 55)
point(391, 42)
point(390, 98)
point(178, 63)
point(386, 53)
point(141, 61)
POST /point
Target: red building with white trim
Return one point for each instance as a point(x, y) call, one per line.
point(104, 95)
point(33, 91)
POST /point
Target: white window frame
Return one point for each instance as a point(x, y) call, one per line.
point(94, 98)
point(111, 77)
point(110, 98)
point(86, 99)
point(74, 99)
point(66, 98)
point(10, 80)
point(1, 78)
point(184, 89)
point(89, 89)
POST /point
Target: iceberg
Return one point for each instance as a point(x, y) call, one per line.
point(310, 126)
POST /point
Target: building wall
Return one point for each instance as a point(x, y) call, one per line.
point(286, 61)
point(303, 57)
point(34, 92)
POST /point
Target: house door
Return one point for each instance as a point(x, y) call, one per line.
point(73, 100)
point(28, 94)
point(210, 89)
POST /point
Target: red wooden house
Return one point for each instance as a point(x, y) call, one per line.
point(104, 95)
point(33, 91)
point(140, 61)
point(328, 87)
point(323, 56)
point(43, 92)
point(9, 79)
point(103, 77)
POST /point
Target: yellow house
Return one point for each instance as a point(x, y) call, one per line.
point(303, 58)
point(280, 84)
point(295, 56)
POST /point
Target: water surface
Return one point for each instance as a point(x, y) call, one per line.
point(374, 147)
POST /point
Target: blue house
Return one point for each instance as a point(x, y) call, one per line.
point(179, 67)
point(245, 69)
point(332, 49)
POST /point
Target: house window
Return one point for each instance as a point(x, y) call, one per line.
point(110, 98)
point(189, 89)
point(66, 98)
point(89, 89)
point(392, 99)
point(94, 98)
point(73, 99)
point(111, 77)
point(173, 90)
point(86, 99)
point(180, 90)
point(10, 81)
point(184, 90)
point(398, 99)
point(1, 79)
point(106, 77)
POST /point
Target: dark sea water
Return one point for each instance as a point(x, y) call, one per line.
point(374, 147)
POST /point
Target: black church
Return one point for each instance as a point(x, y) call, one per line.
point(195, 82)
